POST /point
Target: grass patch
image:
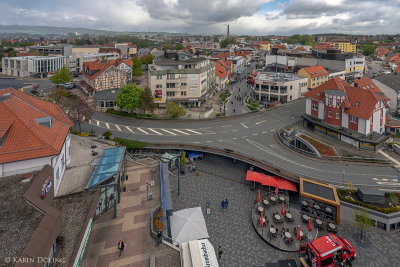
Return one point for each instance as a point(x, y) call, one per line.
point(131, 115)
point(322, 148)
point(80, 134)
point(130, 144)
point(220, 115)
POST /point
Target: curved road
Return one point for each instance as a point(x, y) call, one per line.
point(251, 135)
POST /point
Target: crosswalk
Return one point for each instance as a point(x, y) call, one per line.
point(150, 131)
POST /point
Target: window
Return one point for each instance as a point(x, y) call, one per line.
point(122, 80)
point(159, 77)
point(353, 119)
point(315, 106)
point(313, 84)
point(101, 83)
point(172, 93)
point(170, 85)
point(183, 93)
point(62, 161)
point(337, 115)
point(112, 82)
point(158, 86)
point(330, 114)
point(183, 84)
point(291, 87)
point(338, 102)
point(330, 101)
point(327, 261)
point(170, 76)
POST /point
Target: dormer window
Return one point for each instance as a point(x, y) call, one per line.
point(357, 103)
point(46, 121)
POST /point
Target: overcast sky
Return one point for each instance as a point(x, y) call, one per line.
point(251, 17)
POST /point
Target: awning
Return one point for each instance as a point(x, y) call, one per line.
point(198, 253)
point(269, 180)
point(194, 154)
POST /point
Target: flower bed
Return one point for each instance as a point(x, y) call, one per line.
point(322, 148)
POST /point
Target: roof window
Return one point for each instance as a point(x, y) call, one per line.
point(46, 121)
point(357, 103)
point(4, 97)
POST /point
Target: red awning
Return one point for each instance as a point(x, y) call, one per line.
point(269, 180)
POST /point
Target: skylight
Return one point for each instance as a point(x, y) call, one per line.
point(46, 121)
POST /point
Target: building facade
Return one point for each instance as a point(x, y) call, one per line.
point(316, 75)
point(283, 87)
point(345, 46)
point(355, 64)
point(32, 66)
point(187, 82)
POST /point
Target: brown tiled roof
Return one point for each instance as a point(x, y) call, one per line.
point(316, 71)
point(24, 137)
point(119, 61)
point(220, 71)
point(86, 86)
point(367, 84)
point(97, 66)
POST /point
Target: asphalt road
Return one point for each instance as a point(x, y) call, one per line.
point(251, 135)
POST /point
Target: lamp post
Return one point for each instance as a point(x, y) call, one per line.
point(343, 172)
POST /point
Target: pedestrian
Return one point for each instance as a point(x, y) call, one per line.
point(219, 252)
point(234, 111)
point(209, 203)
point(222, 205)
point(159, 237)
point(226, 203)
point(121, 247)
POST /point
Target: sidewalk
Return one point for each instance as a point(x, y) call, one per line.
point(132, 225)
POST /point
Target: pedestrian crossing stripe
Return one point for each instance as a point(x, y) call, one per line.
point(143, 131)
point(179, 131)
point(168, 131)
point(154, 131)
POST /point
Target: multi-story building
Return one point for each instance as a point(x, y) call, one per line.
point(265, 45)
point(345, 46)
point(187, 82)
point(238, 63)
point(316, 75)
point(222, 77)
point(355, 64)
point(99, 76)
point(361, 108)
point(283, 87)
point(54, 50)
point(32, 66)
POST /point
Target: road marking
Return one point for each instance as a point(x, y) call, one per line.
point(220, 140)
point(98, 123)
point(255, 134)
point(234, 138)
point(235, 130)
point(167, 131)
point(192, 131)
point(243, 125)
point(209, 141)
point(143, 131)
point(389, 157)
point(107, 125)
point(129, 129)
point(154, 131)
point(119, 129)
point(244, 136)
point(227, 125)
point(273, 130)
point(179, 131)
point(257, 123)
point(90, 121)
point(196, 142)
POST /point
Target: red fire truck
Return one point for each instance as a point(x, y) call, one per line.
point(327, 251)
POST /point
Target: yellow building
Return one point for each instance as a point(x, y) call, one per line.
point(316, 75)
point(265, 45)
point(345, 47)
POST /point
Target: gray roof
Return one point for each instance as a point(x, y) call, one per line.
point(329, 65)
point(109, 94)
point(334, 92)
point(11, 82)
point(391, 80)
point(167, 61)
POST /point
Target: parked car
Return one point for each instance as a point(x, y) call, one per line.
point(70, 85)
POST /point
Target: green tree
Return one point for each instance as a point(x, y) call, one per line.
point(61, 76)
point(368, 49)
point(178, 47)
point(146, 59)
point(362, 221)
point(130, 97)
point(137, 67)
point(60, 96)
point(173, 110)
point(147, 100)
point(107, 134)
point(183, 158)
point(224, 43)
point(11, 52)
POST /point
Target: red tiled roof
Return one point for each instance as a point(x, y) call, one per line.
point(97, 66)
point(86, 86)
point(367, 84)
point(316, 71)
point(220, 71)
point(394, 57)
point(24, 137)
point(280, 47)
point(300, 48)
point(119, 61)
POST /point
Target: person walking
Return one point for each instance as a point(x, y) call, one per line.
point(219, 252)
point(222, 205)
point(121, 247)
point(209, 203)
point(159, 238)
point(226, 203)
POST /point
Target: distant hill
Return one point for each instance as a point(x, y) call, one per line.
point(52, 30)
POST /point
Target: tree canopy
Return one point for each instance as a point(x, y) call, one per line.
point(137, 67)
point(147, 100)
point(368, 49)
point(173, 110)
point(146, 59)
point(302, 39)
point(130, 97)
point(61, 76)
point(230, 40)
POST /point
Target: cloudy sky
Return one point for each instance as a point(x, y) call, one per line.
point(252, 17)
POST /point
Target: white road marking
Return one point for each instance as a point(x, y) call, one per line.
point(98, 123)
point(257, 123)
point(179, 131)
point(167, 131)
point(235, 130)
point(234, 138)
point(143, 131)
point(129, 129)
point(196, 142)
point(273, 130)
point(220, 140)
point(244, 136)
point(192, 131)
point(154, 131)
point(229, 125)
point(119, 129)
point(243, 125)
point(209, 141)
point(255, 134)
point(389, 157)
point(90, 121)
point(107, 125)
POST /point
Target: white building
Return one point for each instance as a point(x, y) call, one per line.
point(33, 133)
point(238, 63)
point(283, 87)
point(37, 66)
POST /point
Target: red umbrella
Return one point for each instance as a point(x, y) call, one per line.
point(298, 233)
point(258, 196)
point(309, 227)
point(283, 210)
point(276, 189)
point(261, 221)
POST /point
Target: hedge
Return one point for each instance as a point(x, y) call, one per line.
point(130, 144)
point(359, 203)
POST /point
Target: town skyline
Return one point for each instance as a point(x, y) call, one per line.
point(211, 17)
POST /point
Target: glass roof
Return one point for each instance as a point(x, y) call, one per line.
point(108, 165)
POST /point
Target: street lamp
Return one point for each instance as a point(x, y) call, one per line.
point(343, 172)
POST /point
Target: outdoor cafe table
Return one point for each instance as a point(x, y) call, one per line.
point(304, 203)
point(301, 233)
point(273, 198)
point(305, 217)
point(332, 226)
point(272, 230)
point(260, 209)
point(288, 235)
point(329, 210)
point(318, 221)
point(289, 216)
point(266, 202)
point(277, 217)
point(282, 198)
point(316, 207)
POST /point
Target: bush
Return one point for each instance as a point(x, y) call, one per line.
point(107, 134)
point(130, 144)
point(220, 115)
point(121, 113)
point(92, 133)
